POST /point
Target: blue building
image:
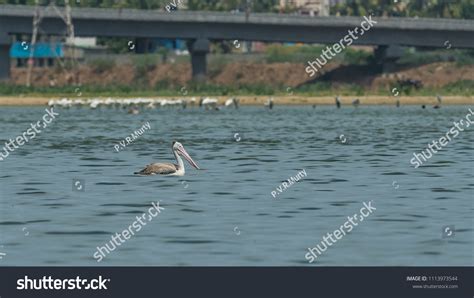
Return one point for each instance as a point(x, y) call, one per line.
point(43, 53)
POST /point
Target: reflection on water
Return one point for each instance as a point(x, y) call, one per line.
point(233, 189)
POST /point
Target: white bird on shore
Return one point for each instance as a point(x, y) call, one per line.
point(232, 101)
point(170, 169)
point(94, 103)
point(171, 102)
point(208, 103)
point(269, 103)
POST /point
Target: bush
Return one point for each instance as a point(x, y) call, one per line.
point(357, 57)
point(102, 65)
point(144, 64)
point(462, 57)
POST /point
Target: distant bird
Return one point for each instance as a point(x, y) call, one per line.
point(269, 103)
point(440, 99)
point(397, 104)
point(356, 102)
point(232, 101)
point(173, 103)
point(62, 103)
point(134, 110)
point(170, 169)
point(208, 103)
point(338, 102)
point(423, 106)
point(94, 103)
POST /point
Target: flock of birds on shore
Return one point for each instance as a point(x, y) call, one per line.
point(133, 105)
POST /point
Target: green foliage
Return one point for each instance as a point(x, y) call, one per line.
point(213, 89)
point(229, 5)
point(461, 57)
point(144, 63)
point(302, 54)
point(328, 89)
point(285, 53)
point(102, 65)
point(167, 88)
point(422, 8)
point(117, 45)
point(460, 87)
point(357, 57)
point(279, 53)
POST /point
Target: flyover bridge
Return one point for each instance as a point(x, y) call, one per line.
point(199, 27)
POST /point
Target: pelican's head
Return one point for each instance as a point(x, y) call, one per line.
point(178, 148)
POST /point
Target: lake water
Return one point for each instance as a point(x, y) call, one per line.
point(225, 214)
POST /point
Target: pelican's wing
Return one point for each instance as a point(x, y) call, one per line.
point(158, 168)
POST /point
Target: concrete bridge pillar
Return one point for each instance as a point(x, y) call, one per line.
point(387, 56)
point(4, 56)
point(198, 49)
point(142, 45)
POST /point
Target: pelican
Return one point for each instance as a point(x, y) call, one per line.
point(134, 110)
point(269, 103)
point(439, 98)
point(356, 102)
point(338, 102)
point(232, 101)
point(169, 169)
point(208, 103)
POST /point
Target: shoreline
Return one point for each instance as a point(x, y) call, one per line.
point(278, 100)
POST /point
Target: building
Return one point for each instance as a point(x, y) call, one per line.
point(309, 7)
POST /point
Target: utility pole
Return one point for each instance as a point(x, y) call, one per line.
point(70, 37)
point(67, 19)
point(247, 9)
point(36, 21)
